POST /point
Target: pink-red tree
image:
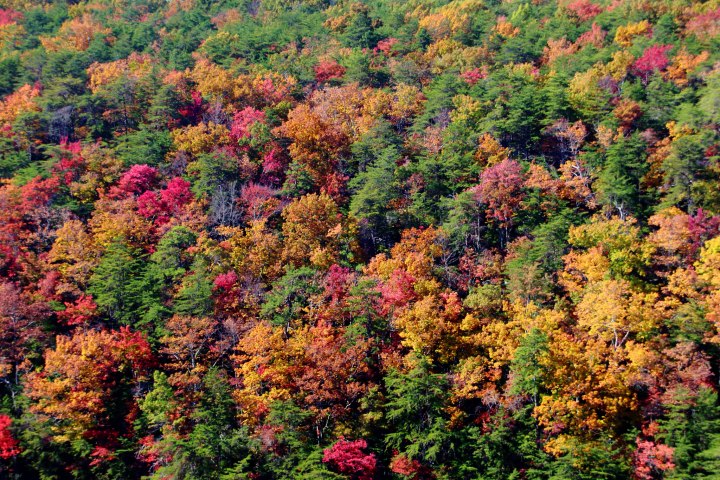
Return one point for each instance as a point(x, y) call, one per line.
point(348, 457)
point(328, 70)
point(243, 122)
point(653, 59)
point(8, 444)
point(500, 190)
point(259, 201)
point(137, 180)
point(584, 9)
point(8, 16)
point(652, 459)
point(170, 201)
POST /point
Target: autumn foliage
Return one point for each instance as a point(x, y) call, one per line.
point(314, 239)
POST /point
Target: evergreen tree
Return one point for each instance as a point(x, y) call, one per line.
point(415, 413)
point(289, 296)
point(690, 184)
point(375, 190)
point(360, 32)
point(194, 298)
point(116, 284)
point(212, 171)
point(692, 427)
point(526, 365)
point(165, 269)
point(144, 146)
point(619, 180)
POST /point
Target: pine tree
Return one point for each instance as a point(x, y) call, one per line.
point(194, 298)
point(116, 284)
point(360, 32)
point(619, 180)
point(165, 270)
point(289, 297)
point(689, 183)
point(526, 366)
point(371, 203)
point(415, 412)
point(692, 427)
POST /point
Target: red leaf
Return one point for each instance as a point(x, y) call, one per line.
point(8, 445)
point(349, 458)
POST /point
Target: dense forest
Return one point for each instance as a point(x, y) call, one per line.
point(383, 239)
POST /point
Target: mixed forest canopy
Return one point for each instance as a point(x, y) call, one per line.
point(388, 239)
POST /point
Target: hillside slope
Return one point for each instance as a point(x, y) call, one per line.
point(396, 239)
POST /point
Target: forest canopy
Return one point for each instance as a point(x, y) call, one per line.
point(382, 239)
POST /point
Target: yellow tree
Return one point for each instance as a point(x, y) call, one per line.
point(314, 231)
point(708, 269)
point(74, 255)
point(75, 34)
point(266, 365)
point(254, 251)
point(118, 219)
point(21, 101)
point(201, 138)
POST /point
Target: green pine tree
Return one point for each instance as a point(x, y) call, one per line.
point(116, 284)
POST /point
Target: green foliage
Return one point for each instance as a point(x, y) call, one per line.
point(289, 296)
point(116, 283)
point(527, 364)
point(619, 180)
point(157, 403)
point(186, 30)
point(215, 447)
point(531, 272)
point(254, 40)
point(591, 460)
point(9, 73)
point(144, 146)
point(11, 158)
point(360, 32)
point(194, 296)
point(300, 458)
point(371, 204)
point(690, 182)
point(212, 171)
point(709, 101)
point(165, 270)
point(508, 450)
point(692, 427)
point(517, 115)
point(415, 413)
